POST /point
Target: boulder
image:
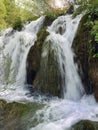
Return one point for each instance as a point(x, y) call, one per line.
point(15, 116)
point(86, 125)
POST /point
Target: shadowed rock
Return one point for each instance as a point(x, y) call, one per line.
point(86, 125)
point(85, 58)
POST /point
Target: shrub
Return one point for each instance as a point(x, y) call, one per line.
point(17, 25)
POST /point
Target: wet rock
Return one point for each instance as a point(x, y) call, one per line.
point(48, 20)
point(86, 125)
point(49, 79)
point(70, 10)
point(93, 74)
point(34, 56)
point(17, 116)
point(80, 45)
point(43, 71)
point(85, 59)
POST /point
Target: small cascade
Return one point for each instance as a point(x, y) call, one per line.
point(56, 114)
point(14, 47)
point(62, 33)
point(62, 114)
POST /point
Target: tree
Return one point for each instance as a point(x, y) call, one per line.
point(2, 15)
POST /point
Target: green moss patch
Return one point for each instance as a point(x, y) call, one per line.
point(86, 125)
point(17, 116)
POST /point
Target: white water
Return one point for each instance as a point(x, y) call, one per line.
point(62, 33)
point(58, 114)
point(62, 114)
point(13, 54)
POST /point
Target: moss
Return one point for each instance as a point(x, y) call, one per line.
point(17, 24)
point(54, 13)
point(42, 34)
point(17, 115)
point(86, 125)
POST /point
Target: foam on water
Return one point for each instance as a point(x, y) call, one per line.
point(62, 114)
point(14, 48)
point(62, 33)
point(58, 114)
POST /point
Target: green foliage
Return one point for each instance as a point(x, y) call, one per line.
point(90, 7)
point(94, 31)
point(95, 55)
point(2, 15)
point(12, 15)
point(17, 25)
point(54, 13)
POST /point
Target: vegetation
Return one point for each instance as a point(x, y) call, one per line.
point(91, 10)
point(54, 13)
point(12, 15)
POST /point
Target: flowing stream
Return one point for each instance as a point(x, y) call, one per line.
point(58, 114)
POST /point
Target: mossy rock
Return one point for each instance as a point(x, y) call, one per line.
point(83, 49)
point(16, 116)
point(86, 125)
point(49, 79)
point(34, 56)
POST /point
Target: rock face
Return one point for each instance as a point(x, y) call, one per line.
point(34, 56)
point(93, 74)
point(86, 125)
point(49, 79)
point(89, 65)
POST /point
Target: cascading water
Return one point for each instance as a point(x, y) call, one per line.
point(58, 114)
point(14, 47)
point(62, 33)
point(62, 114)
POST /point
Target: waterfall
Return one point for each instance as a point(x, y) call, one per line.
point(14, 47)
point(57, 114)
point(62, 33)
point(61, 114)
